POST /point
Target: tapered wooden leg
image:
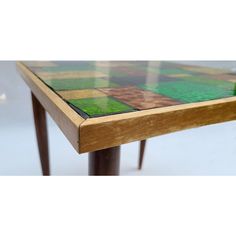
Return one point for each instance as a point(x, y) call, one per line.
point(141, 154)
point(105, 162)
point(41, 133)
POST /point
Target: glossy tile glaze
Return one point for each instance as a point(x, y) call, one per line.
point(98, 88)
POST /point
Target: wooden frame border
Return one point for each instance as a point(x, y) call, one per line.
point(109, 131)
point(65, 117)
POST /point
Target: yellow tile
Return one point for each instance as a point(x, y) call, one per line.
point(178, 75)
point(111, 64)
point(77, 94)
point(71, 74)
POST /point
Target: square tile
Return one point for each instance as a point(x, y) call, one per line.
point(68, 68)
point(170, 65)
point(188, 91)
point(80, 64)
point(173, 71)
point(84, 93)
point(100, 106)
point(113, 64)
point(209, 81)
point(170, 72)
point(126, 72)
point(135, 81)
point(204, 70)
point(75, 84)
point(40, 64)
point(70, 74)
point(139, 98)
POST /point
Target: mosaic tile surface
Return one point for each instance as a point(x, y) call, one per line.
point(99, 88)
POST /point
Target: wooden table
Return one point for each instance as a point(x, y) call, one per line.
point(100, 105)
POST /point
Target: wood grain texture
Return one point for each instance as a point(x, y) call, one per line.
point(65, 117)
point(40, 122)
point(141, 153)
point(105, 162)
point(109, 131)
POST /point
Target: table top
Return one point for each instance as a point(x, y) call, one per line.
point(104, 94)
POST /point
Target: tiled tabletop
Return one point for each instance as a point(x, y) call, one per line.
point(101, 88)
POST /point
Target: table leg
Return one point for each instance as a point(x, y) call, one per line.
point(141, 154)
point(41, 133)
point(105, 162)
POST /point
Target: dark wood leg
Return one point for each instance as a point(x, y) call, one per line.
point(141, 154)
point(105, 162)
point(41, 133)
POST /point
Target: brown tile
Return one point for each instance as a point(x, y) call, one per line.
point(140, 99)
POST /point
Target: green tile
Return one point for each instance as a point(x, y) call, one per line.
point(73, 84)
point(113, 73)
point(189, 91)
point(173, 71)
point(212, 82)
point(100, 106)
point(165, 71)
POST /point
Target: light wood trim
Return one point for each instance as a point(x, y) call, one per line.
point(65, 117)
point(110, 131)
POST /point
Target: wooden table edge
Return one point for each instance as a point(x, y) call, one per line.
point(66, 118)
point(110, 131)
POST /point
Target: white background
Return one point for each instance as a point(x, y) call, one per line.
point(117, 30)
